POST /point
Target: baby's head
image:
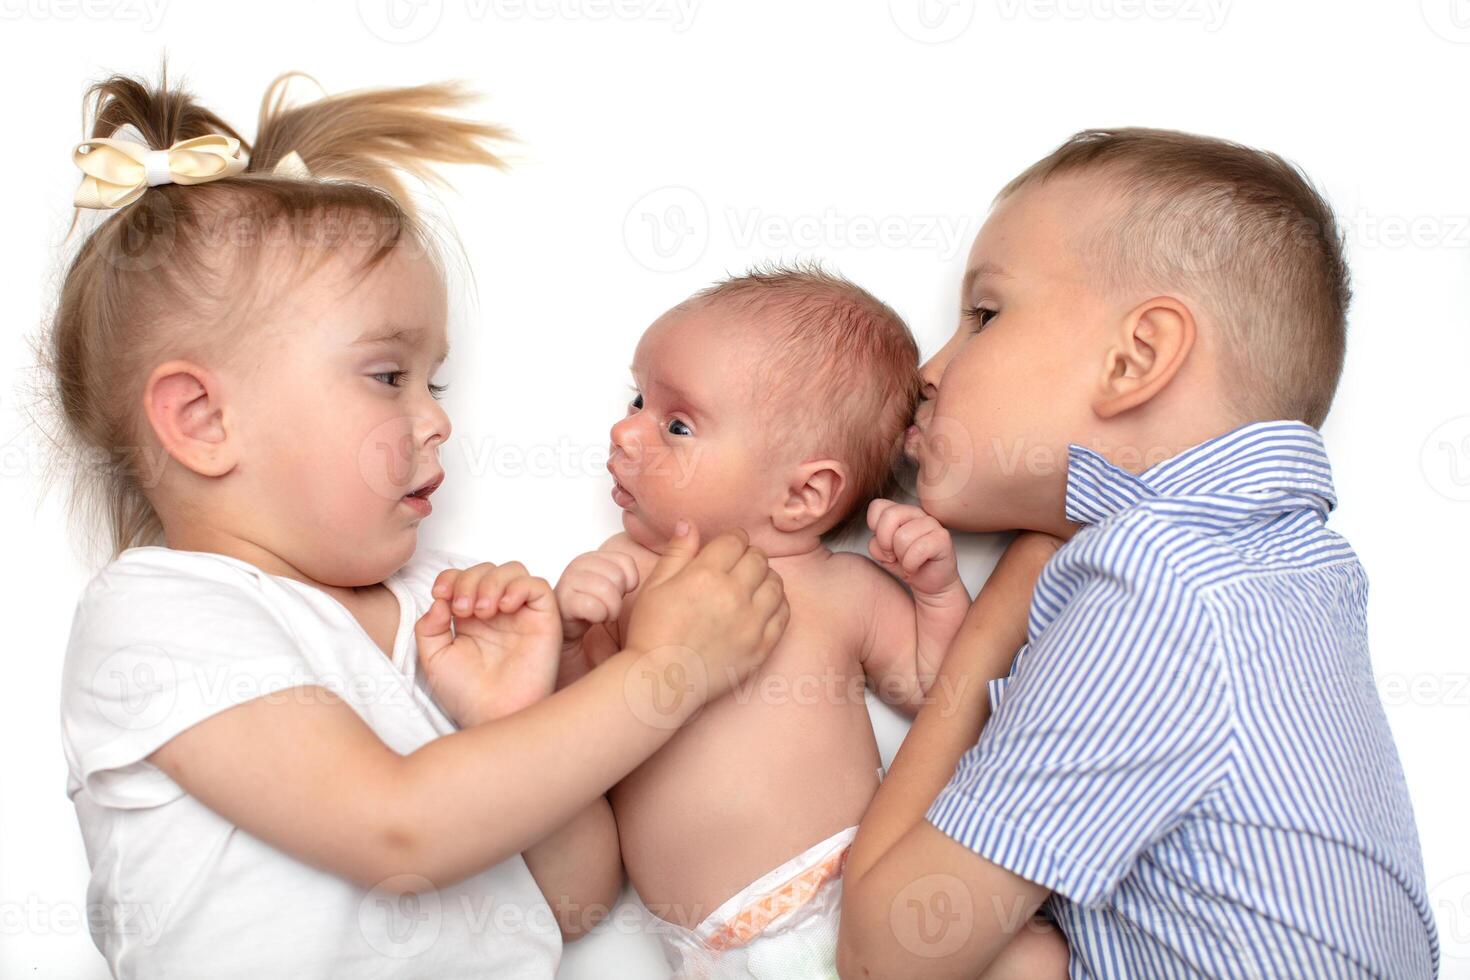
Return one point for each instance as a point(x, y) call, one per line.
point(774, 402)
point(244, 365)
point(1135, 292)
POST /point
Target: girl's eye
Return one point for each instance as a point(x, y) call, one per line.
point(394, 379)
point(678, 428)
point(980, 316)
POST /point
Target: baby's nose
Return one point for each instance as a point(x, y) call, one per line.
point(625, 436)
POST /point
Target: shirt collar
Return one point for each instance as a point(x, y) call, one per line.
point(1277, 465)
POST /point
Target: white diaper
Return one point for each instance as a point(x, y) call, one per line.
point(782, 926)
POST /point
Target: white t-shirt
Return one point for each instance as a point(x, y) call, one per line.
point(163, 639)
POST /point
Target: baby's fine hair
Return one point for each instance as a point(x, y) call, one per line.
point(840, 373)
point(1239, 229)
point(183, 270)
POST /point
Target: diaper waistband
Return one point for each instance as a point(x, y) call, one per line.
point(776, 893)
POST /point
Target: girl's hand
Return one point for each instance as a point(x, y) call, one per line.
point(707, 618)
point(912, 546)
point(505, 645)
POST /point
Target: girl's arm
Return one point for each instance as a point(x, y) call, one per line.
point(300, 770)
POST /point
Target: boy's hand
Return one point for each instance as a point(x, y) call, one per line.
point(591, 591)
point(505, 645)
point(708, 619)
point(912, 546)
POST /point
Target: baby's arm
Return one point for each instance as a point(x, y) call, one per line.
point(578, 867)
point(592, 594)
point(300, 770)
point(910, 631)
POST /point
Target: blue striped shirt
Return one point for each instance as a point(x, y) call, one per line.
point(1190, 751)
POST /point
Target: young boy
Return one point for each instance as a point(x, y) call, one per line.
point(1188, 754)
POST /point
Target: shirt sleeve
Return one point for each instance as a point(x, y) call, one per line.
point(156, 647)
point(1114, 722)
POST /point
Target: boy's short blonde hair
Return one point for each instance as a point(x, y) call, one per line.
point(838, 374)
point(1242, 230)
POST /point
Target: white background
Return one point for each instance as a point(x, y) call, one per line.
point(666, 142)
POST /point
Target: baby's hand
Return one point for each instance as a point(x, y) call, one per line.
point(505, 645)
point(591, 591)
point(912, 546)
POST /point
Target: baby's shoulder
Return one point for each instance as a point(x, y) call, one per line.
point(848, 580)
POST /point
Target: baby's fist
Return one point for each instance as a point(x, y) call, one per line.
point(912, 546)
point(592, 589)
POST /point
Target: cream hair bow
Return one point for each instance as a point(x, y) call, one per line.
point(118, 171)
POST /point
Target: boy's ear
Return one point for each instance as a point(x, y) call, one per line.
point(811, 493)
point(1153, 342)
point(184, 404)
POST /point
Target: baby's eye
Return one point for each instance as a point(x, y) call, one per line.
point(391, 378)
point(637, 403)
point(437, 391)
point(678, 428)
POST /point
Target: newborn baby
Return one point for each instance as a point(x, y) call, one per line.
point(776, 402)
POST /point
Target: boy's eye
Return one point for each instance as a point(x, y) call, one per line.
point(678, 428)
point(980, 316)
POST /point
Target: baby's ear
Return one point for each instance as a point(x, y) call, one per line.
point(812, 492)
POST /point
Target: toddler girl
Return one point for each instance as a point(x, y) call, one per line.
point(245, 347)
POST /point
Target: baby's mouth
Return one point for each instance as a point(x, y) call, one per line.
point(425, 489)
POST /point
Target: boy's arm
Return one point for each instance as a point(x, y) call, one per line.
point(916, 902)
point(910, 630)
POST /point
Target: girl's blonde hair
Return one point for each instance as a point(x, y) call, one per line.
point(180, 270)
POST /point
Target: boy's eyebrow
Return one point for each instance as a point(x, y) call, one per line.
point(395, 335)
point(984, 270)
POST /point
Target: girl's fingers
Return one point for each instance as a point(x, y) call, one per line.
point(444, 584)
point(492, 587)
point(466, 586)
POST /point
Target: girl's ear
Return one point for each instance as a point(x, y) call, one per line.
point(185, 407)
point(811, 494)
point(1153, 342)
